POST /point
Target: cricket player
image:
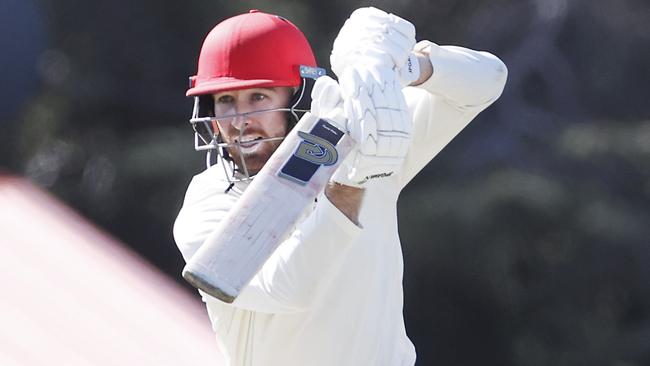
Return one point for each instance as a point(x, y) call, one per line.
point(331, 294)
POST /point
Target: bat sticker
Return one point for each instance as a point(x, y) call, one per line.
point(316, 150)
point(318, 147)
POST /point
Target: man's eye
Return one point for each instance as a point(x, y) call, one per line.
point(225, 99)
point(258, 97)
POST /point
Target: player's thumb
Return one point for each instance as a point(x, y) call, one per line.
point(327, 101)
point(325, 95)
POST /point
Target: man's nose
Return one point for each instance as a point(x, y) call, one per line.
point(240, 121)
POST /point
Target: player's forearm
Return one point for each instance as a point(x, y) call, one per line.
point(347, 199)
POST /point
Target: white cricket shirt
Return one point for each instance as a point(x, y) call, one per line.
point(331, 294)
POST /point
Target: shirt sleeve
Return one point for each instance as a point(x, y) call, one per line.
point(303, 263)
point(298, 268)
point(464, 82)
point(204, 206)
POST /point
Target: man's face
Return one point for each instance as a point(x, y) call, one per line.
point(248, 130)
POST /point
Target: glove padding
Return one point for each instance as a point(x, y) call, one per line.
point(327, 102)
point(378, 38)
point(378, 119)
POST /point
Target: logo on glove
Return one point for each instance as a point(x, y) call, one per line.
point(375, 176)
point(409, 65)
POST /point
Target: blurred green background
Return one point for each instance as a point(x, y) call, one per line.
point(526, 241)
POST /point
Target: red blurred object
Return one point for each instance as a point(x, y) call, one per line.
point(71, 295)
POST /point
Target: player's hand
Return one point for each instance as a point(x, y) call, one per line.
point(373, 36)
point(378, 119)
point(327, 102)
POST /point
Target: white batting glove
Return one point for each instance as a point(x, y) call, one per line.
point(327, 102)
point(378, 119)
point(380, 38)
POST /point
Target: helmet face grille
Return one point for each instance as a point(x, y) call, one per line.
point(206, 136)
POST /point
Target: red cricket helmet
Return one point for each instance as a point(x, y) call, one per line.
point(255, 49)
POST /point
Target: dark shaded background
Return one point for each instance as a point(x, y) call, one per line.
point(526, 240)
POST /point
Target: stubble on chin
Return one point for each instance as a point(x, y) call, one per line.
point(256, 160)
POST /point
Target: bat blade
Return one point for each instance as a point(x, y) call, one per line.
point(269, 208)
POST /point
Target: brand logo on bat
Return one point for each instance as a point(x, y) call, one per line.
point(316, 150)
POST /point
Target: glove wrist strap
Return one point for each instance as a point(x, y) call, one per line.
point(410, 71)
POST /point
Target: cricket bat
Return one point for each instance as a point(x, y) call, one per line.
point(269, 208)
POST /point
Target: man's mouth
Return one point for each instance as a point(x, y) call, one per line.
point(249, 145)
point(248, 142)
